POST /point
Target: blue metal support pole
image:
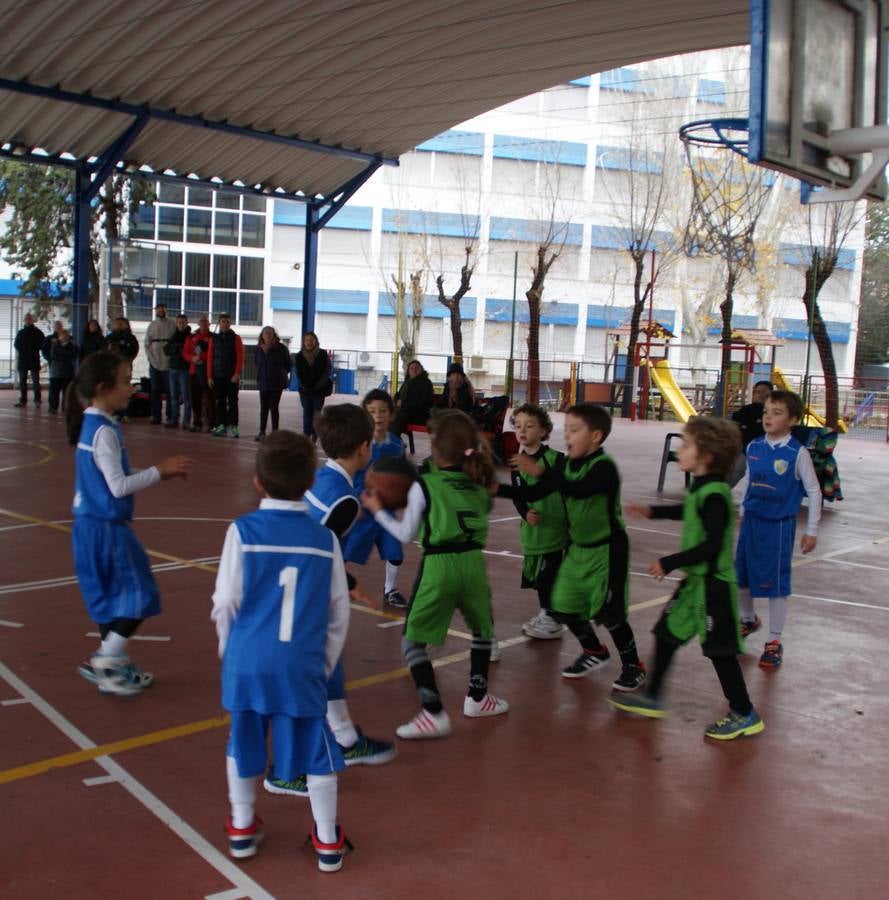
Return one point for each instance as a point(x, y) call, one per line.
point(344, 194)
point(106, 164)
point(81, 299)
point(310, 267)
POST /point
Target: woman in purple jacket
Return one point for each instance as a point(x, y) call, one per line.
point(272, 375)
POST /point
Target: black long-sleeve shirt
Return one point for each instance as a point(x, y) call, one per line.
point(715, 518)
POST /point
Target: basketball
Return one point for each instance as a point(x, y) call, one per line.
point(390, 479)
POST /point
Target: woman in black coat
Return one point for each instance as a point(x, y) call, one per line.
point(459, 392)
point(415, 398)
point(314, 376)
point(272, 375)
point(93, 339)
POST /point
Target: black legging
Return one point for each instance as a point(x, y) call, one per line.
point(269, 401)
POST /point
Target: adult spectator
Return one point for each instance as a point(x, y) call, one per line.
point(749, 417)
point(51, 340)
point(203, 403)
point(225, 362)
point(121, 340)
point(156, 337)
point(415, 398)
point(28, 343)
point(63, 356)
point(273, 366)
point(177, 374)
point(313, 372)
point(459, 392)
point(93, 340)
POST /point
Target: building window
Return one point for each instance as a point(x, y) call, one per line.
point(170, 193)
point(196, 303)
point(228, 201)
point(169, 223)
point(170, 297)
point(197, 269)
point(199, 225)
point(142, 222)
point(252, 273)
point(174, 267)
point(226, 230)
point(225, 272)
point(252, 231)
point(252, 203)
point(199, 196)
point(249, 308)
point(224, 302)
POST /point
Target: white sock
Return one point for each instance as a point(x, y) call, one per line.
point(391, 577)
point(241, 795)
point(114, 644)
point(746, 602)
point(322, 796)
point(340, 723)
point(777, 617)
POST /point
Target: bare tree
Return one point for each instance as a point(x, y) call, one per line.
point(643, 199)
point(828, 227)
point(469, 195)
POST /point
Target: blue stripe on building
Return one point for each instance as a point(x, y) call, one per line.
point(432, 307)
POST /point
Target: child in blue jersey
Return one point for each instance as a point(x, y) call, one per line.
point(448, 507)
point(345, 432)
point(281, 608)
point(779, 474)
point(366, 533)
point(112, 568)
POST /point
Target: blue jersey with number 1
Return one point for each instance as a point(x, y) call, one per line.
point(275, 656)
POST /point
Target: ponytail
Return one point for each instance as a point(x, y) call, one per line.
point(456, 441)
point(97, 370)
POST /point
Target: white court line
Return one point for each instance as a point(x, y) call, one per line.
point(842, 602)
point(135, 637)
point(64, 580)
point(6, 624)
point(22, 525)
point(153, 804)
point(99, 779)
point(233, 894)
point(393, 623)
point(504, 519)
point(858, 565)
point(17, 702)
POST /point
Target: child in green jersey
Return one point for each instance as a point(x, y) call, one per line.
point(448, 506)
point(592, 579)
point(544, 528)
point(705, 604)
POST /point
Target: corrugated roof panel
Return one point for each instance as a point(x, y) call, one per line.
point(379, 77)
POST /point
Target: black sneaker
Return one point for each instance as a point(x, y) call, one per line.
point(394, 598)
point(19, 404)
point(586, 663)
point(631, 678)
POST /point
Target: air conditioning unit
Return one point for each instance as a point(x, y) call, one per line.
point(477, 364)
point(365, 361)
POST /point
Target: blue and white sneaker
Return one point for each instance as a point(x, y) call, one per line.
point(368, 752)
point(244, 842)
point(734, 725)
point(297, 788)
point(115, 675)
point(330, 856)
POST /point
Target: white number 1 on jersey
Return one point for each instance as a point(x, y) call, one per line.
point(287, 580)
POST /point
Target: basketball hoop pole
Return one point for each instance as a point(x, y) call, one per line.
point(854, 142)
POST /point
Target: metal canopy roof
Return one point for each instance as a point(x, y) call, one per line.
point(265, 81)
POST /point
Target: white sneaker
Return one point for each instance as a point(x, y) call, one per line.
point(425, 725)
point(543, 626)
point(116, 675)
point(496, 655)
point(489, 705)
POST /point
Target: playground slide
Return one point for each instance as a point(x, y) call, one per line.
point(666, 384)
point(811, 417)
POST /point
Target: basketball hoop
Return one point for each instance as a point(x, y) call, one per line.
point(731, 133)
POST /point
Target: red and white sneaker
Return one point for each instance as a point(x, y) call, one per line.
point(425, 725)
point(330, 856)
point(244, 842)
point(489, 705)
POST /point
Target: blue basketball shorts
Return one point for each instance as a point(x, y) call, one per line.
point(764, 554)
point(113, 571)
point(300, 746)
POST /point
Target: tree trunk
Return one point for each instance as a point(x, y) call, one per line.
point(533, 394)
point(726, 308)
point(823, 271)
point(456, 330)
point(639, 299)
point(453, 303)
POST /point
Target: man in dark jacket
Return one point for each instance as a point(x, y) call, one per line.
point(28, 343)
point(177, 372)
point(225, 362)
point(121, 340)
